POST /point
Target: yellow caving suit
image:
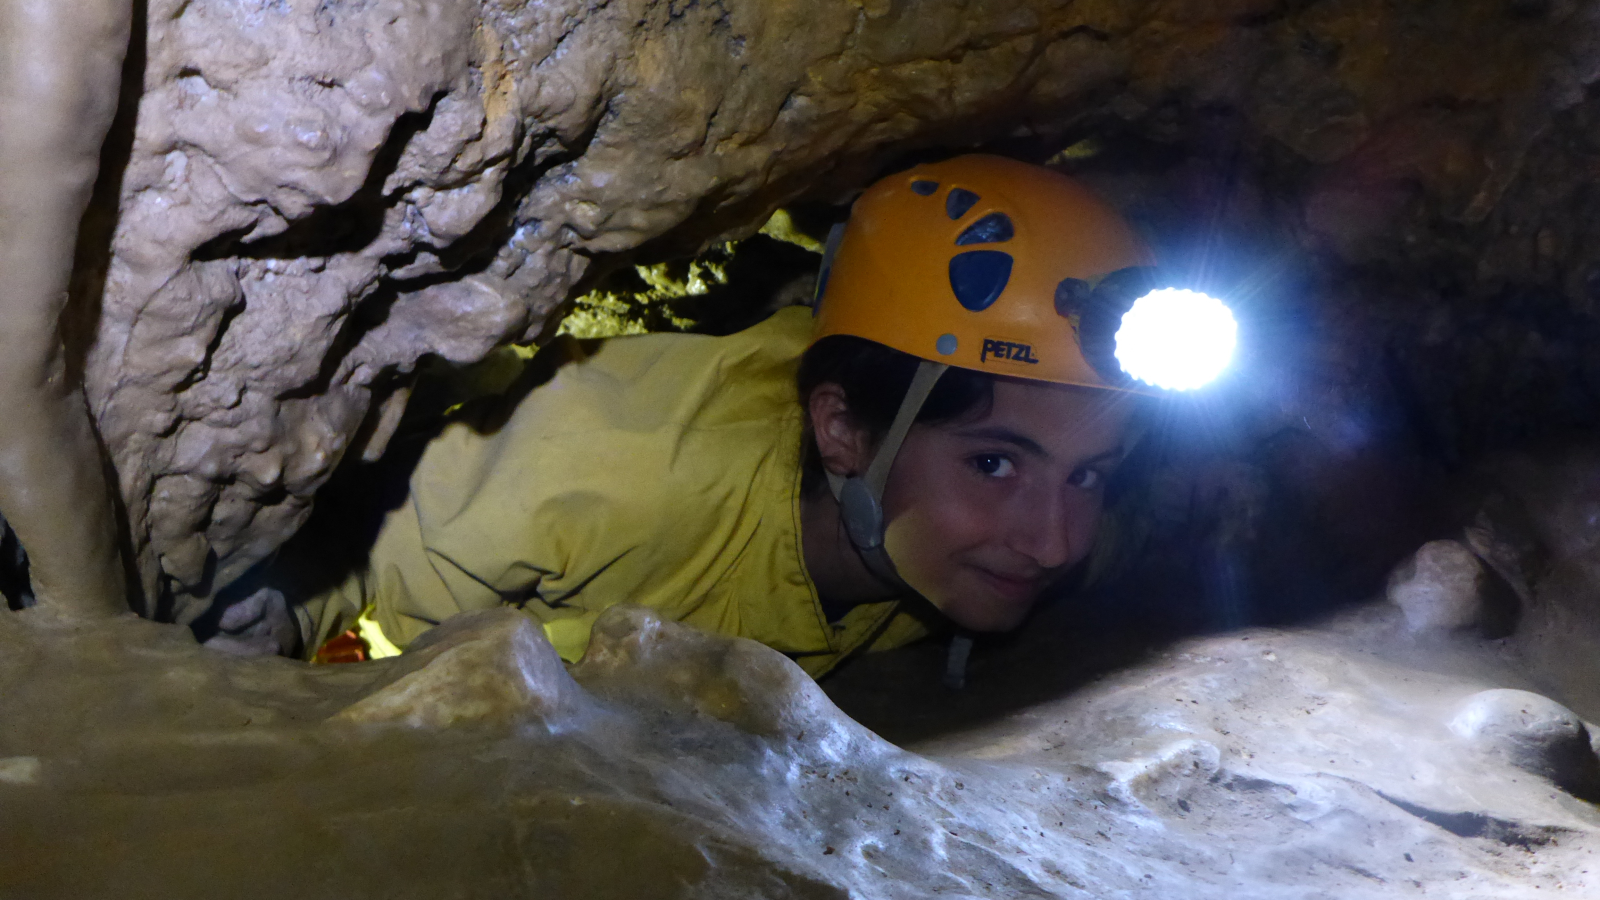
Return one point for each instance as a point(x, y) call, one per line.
point(664, 471)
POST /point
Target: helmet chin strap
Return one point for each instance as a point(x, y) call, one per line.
point(861, 496)
point(861, 507)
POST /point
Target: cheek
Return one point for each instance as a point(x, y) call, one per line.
point(1083, 515)
point(935, 528)
point(922, 552)
point(927, 535)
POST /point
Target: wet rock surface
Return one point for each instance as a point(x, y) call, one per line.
point(671, 763)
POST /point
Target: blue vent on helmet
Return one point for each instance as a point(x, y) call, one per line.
point(978, 277)
point(924, 187)
point(959, 201)
point(995, 228)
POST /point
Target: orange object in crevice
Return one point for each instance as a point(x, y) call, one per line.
point(346, 647)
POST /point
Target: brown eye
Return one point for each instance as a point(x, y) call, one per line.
point(1087, 479)
point(995, 465)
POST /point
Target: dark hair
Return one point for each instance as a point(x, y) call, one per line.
point(874, 379)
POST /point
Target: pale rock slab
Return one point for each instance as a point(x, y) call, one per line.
point(1441, 588)
point(493, 666)
point(678, 764)
point(1533, 733)
point(1169, 777)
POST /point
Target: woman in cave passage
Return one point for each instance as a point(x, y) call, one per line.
point(965, 336)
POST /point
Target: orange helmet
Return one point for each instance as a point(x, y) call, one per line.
point(998, 266)
point(985, 263)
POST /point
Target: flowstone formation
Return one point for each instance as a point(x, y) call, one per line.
point(318, 193)
point(673, 763)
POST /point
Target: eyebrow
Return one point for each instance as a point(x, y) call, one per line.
point(1029, 445)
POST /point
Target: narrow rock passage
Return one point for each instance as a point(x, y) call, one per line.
point(322, 193)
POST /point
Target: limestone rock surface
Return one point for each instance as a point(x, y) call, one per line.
point(1441, 587)
point(672, 763)
point(489, 666)
point(1534, 733)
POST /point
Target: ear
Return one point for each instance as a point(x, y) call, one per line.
point(844, 446)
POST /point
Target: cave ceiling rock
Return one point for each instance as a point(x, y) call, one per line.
point(320, 193)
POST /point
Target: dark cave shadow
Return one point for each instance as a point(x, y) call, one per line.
point(91, 260)
point(1069, 643)
point(15, 590)
point(1183, 584)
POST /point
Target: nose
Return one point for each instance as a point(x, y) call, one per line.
point(1052, 530)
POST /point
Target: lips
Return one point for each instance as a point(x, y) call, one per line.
point(1007, 585)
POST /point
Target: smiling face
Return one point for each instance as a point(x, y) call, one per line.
point(985, 512)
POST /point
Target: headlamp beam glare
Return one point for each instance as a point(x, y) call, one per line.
point(1176, 339)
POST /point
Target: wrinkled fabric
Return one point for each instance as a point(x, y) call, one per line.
point(663, 470)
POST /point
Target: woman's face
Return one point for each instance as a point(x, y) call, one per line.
point(985, 513)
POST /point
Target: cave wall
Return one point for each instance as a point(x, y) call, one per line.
point(316, 194)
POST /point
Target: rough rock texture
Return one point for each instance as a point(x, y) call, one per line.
point(1533, 733)
point(672, 763)
point(319, 192)
point(502, 670)
point(1544, 509)
point(1441, 587)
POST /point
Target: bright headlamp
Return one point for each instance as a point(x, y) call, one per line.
point(1176, 339)
point(1134, 325)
